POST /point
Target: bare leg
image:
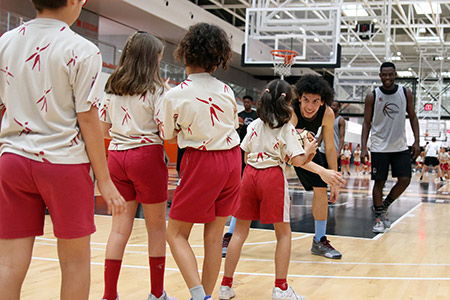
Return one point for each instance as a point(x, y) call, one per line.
point(283, 251)
point(15, 258)
point(177, 236)
point(399, 187)
point(234, 248)
point(377, 192)
point(213, 253)
point(155, 221)
point(122, 225)
point(75, 261)
point(320, 204)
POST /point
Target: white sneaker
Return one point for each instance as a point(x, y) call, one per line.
point(163, 297)
point(289, 294)
point(226, 292)
point(378, 226)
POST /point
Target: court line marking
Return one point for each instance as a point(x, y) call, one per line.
point(271, 274)
point(397, 221)
point(304, 236)
point(296, 261)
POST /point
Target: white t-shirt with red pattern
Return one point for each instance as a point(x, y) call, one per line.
point(203, 112)
point(47, 75)
point(267, 147)
point(134, 119)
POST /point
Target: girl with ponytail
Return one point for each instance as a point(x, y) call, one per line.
point(270, 142)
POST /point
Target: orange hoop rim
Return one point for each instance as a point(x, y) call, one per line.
point(288, 55)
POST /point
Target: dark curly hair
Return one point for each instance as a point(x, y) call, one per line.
point(273, 105)
point(204, 45)
point(314, 84)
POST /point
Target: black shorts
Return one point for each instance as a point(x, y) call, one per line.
point(431, 161)
point(309, 179)
point(400, 164)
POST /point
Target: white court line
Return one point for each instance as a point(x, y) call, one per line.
point(271, 274)
point(306, 235)
point(310, 205)
point(398, 221)
point(298, 261)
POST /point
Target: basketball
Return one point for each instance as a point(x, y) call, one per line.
point(241, 121)
point(303, 134)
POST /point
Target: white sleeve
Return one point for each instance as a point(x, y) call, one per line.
point(292, 146)
point(86, 86)
point(245, 144)
point(169, 124)
point(103, 109)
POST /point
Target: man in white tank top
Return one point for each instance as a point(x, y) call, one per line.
point(384, 115)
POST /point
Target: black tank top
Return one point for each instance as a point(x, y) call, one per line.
point(308, 124)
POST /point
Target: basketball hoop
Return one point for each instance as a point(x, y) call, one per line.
point(282, 61)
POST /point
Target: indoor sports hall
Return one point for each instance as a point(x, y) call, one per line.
point(343, 41)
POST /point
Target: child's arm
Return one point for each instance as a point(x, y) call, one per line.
point(105, 128)
point(91, 131)
point(310, 150)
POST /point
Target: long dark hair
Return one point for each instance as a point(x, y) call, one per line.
point(138, 69)
point(273, 105)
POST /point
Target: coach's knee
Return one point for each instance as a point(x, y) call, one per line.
point(404, 181)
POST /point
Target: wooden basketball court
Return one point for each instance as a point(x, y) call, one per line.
point(410, 261)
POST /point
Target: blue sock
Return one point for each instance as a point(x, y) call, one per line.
point(232, 224)
point(320, 227)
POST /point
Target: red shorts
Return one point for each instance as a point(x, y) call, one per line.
point(357, 163)
point(446, 167)
point(209, 185)
point(264, 196)
point(345, 162)
point(368, 164)
point(140, 173)
point(28, 186)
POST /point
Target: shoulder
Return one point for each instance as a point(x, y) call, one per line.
point(328, 116)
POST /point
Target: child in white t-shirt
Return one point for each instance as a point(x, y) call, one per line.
point(131, 110)
point(270, 141)
point(201, 113)
point(346, 154)
point(50, 138)
point(357, 159)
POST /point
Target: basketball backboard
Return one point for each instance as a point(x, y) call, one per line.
point(312, 31)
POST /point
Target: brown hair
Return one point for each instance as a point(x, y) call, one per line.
point(204, 45)
point(273, 105)
point(138, 69)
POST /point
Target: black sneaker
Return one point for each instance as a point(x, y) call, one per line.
point(226, 240)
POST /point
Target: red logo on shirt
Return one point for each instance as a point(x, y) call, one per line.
point(212, 109)
point(126, 117)
point(73, 59)
point(37, 57)
point(8, 74)
point(25, 130)
point(184, 83)
point(203, 146)
point(44, 100)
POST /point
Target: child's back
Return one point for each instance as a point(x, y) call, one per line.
point(43, 59)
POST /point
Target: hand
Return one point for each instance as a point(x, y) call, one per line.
point(114, 201)
point(364, 155)
point(310, 149)
point(334, 193)
point(415, 150)
point(332, 177)
point(166, 84)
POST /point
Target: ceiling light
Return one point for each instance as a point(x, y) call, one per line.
point(399, 53)
point(354, 10)
point(316, 40)
point(423, 8)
